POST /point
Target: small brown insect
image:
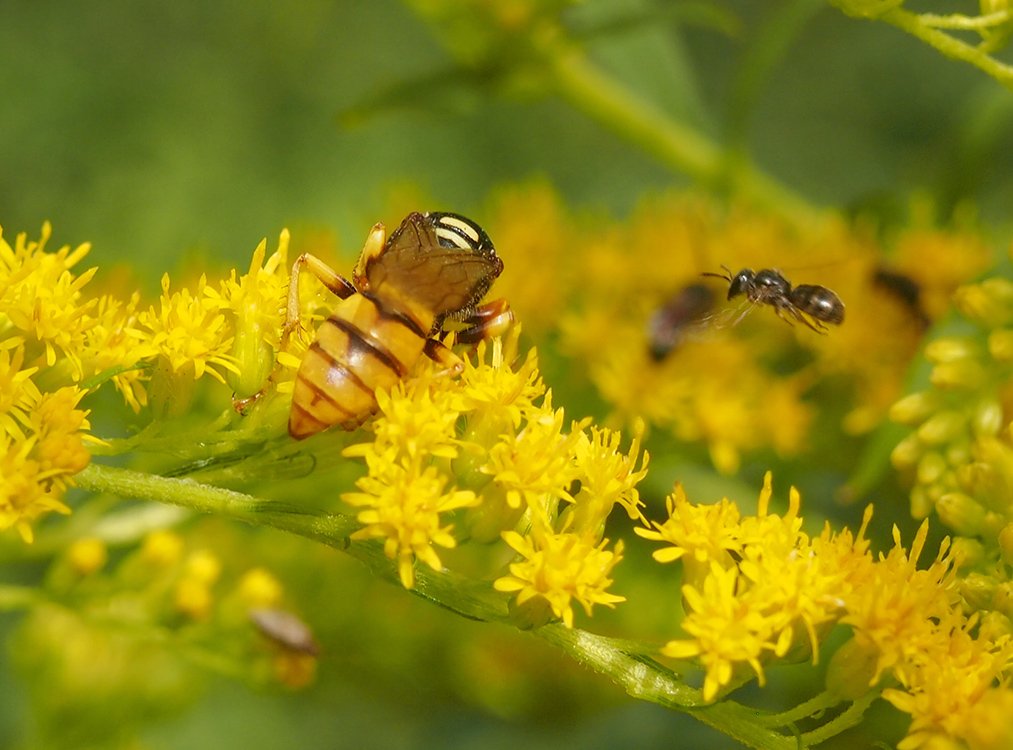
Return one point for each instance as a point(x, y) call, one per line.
point(769, 287)
point(285, 629)
point(434, 267)
point(673, 322)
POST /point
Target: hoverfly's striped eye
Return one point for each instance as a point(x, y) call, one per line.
point(455, 231)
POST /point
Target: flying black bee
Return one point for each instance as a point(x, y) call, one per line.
point(672, 323)
point(768, 287)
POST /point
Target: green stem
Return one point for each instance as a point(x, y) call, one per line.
point(645, 679)
point(949, 45)
point(331, 529)
point(677, 145)
point(475, 600)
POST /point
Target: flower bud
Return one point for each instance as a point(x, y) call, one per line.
point(931, 467)
point(977, 591)
point(987, 419)
point(1000, 345)
point(852, 670)
point(994, 626)
point(961, 513)
point(950, 350)
point(944, 427)
point(1006, 543)
point(914, 408)
point(969, 553)
point(966, 373)
point(906, 453)
point(989, 303)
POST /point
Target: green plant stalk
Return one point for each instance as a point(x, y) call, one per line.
point(331, 529)
point(677, 145)
point(949, 45)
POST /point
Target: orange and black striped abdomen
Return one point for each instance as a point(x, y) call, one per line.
point(363, 346)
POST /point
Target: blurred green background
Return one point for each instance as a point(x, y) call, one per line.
point(159, 131)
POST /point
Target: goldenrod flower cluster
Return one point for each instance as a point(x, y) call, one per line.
point(758, 590)
point(755, 388)
point(489, 449)
point(483, 478)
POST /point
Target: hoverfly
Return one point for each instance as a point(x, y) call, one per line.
point(434, 267)
point(769, 287)
point(674, 322)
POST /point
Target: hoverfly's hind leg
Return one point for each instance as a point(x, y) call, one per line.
point(338, 284)
point(487, 321)
point(441, 354)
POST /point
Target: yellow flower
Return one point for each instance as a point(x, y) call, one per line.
point(41, 299)
point(725, 630)
point(256, 302)
point(499, 394)
point(26, 490)
point(755, 587)
point(415, 422)
point(403, 508)
point(958, 694)
point(536, 467)
point(18, 394)
point(116, 344)
point(704, 532)
point(189, 332)
point(607, 477)
point(561, 568)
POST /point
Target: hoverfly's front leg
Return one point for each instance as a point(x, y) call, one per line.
point(487, 321)
point(491, 319)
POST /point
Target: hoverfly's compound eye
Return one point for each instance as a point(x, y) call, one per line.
point(455, 231)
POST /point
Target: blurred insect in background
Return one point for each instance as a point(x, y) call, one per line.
point(810, 304)
point(674, 322)
point(905, 290)
point(285, 629)
point(434, 267)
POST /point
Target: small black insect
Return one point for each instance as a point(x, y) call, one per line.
point(672, 323)
point(769, 287)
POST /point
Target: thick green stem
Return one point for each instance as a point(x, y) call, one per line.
point(677, 145)
point(331, 529)
point(645, 679)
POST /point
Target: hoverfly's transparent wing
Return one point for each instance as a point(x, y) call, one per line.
point(440, 261)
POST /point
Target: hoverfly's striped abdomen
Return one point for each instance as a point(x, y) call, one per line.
point(366, 344)
point(434, 267)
